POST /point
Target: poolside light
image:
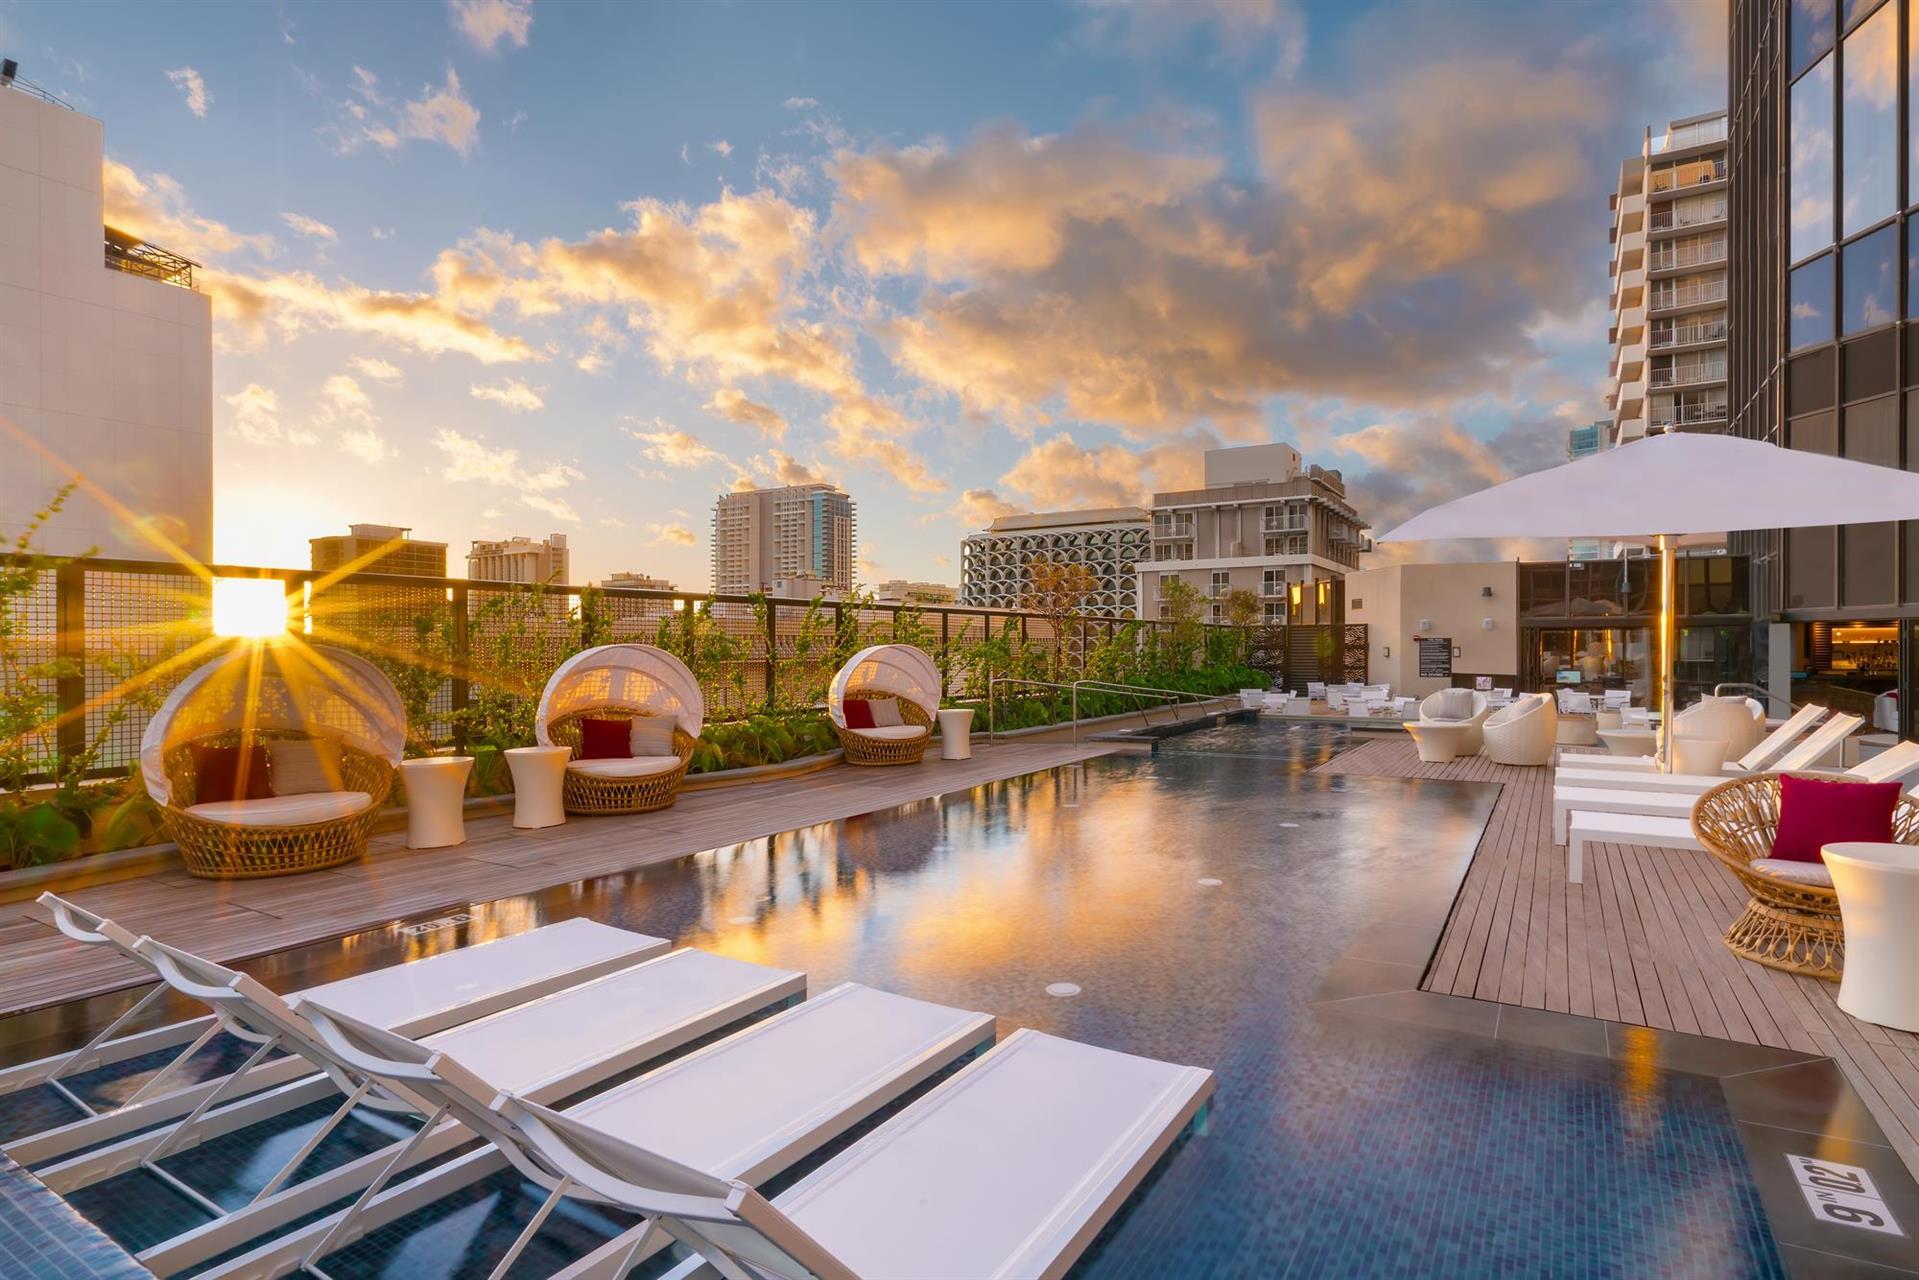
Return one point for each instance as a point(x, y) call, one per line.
point(1651, 490)
point(250, 607)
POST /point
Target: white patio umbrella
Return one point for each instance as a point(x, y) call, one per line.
point(1667, 488)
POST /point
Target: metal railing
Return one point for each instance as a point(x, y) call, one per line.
point(1682, 334)
point(1100, 686)
point(1690, 295)
point(1668, 219)
point(1687, 256)
point(1687, 375)
point(1687, 415)
point(1691, 135)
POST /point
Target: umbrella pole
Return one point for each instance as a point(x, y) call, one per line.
point(1668, 634)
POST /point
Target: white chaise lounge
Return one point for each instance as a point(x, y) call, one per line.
point(747, 1107)
point(419, 998)
point(1587, 827)
point(1755, 759)
point(1884, 767)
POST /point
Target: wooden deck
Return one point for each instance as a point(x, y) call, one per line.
point(239, 919)
point(1638, 942)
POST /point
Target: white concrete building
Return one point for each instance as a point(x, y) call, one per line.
point(106, 355)
point(766, 537)
point(637, 582)
point(1669, 234)
point(900, 591)
point(519, 559)
point(995, 565)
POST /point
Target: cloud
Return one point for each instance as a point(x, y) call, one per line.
point(346, 407)
point(1059, 473)
point(775, 469)
point(800, 104)
point(154, 207)
point(732, 404)
point(1416, 461)
point(293, 303)
point(675, 535)
point(440, 114)
point(311, 227)
point(384, 233)
point(375, 368)
point(188, 81)
point(343, 397)
point(978, 508)
point(513, 394)
point(469, 459)
point(720, 147)
point(365, 444)
point(1240, 28)
point(256, 418)
point(671, 447)
point(487, 22)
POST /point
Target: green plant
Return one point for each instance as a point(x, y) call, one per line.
point(764, 738)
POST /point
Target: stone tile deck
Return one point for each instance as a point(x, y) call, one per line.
point(239, 919)
point(1638, 942)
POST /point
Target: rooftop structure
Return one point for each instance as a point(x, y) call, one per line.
point(1668, 268)
point(996, 563)
point(764, 536)
point(900, 591)
point(109, 372)
point(519, 559)
point(637, 582)
point(379, 548)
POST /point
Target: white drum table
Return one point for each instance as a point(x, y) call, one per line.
point(538, 773)
point(1878, 887)
point(435, 798)
point(956, 733)
point(1703, 756)
point(1577, 731)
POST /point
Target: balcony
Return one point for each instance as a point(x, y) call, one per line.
point(1282, 525)
point(1694, 295)
point(1672, 218)
point(1685, 335)
point(1690, 415)
point(138, 258)
point(1674, 257)
point(1691, 375)
point(1692, 135)
point(1686, 177)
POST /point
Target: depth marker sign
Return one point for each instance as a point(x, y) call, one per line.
point(1842, 1193)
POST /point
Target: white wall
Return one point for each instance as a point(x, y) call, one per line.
point(101, 372)
point(1393, 600)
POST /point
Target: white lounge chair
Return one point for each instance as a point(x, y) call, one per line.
point(1315, 691)
point(1585, 826)
point(1653, 804)
point(1757, 759)
point(554, 1047)
point(419, 998)
point(1804, 755)
point(1008, 1169)
point(747, 1107)
point(1888, 766)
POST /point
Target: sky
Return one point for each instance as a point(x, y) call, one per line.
point(496, 267)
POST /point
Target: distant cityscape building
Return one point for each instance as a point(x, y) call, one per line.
point(637, 582)
point(519, 559)
point(107, 368)
point(1265, 522)
point(378, 548)
point(995, 564)
point(1669, 282)
point(900, 591)
point(1584, 442)
point(766, 537)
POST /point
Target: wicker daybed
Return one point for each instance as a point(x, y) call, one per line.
point(894, 673)
point(622, 682)
point(253, 697)
point(1791, 921)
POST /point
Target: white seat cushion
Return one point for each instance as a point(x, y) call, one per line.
point(635, 767)
point(1795, 871)
point(893, 732)
point(284, 811)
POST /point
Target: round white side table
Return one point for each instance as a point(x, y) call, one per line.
point(1698, 755)
point(1878, 887)
point(1577, 731)
point(956, 733)
point(537, 775)
point(435, 794)
point(1630, 742)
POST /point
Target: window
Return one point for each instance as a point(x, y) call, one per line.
point(1272, 582)
point(1811, 201)
point(1812, 32)
point(1812, 303)
point(1222, 583)
point(1870, 123)
point(1912, 97)
point(1869, 281)
point(1218, 613)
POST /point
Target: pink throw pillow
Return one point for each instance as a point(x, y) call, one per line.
point(1813, 814)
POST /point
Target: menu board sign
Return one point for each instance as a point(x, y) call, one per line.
point(1435, 657)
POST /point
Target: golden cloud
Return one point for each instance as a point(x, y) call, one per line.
point(732, 404)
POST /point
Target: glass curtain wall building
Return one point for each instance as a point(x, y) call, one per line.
point(1825, 351)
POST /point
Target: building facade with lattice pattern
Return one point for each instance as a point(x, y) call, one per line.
point(766, 536)
point(996, 564)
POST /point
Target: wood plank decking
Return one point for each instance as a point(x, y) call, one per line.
point(1638, 942)
point(239, 919)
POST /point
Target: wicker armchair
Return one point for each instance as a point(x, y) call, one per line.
point(898, 672)
point(259, 694)
point(586, 792)
point(1791, 921)
point(621, 682)
point(215, 850)
point(1522, 733)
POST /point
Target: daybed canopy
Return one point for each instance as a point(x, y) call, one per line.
point(639, 678)
point(289, 685)
point(896, 669)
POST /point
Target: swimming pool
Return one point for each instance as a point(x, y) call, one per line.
point(1214, 904)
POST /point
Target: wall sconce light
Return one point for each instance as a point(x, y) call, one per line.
point(1485, 624)
point(1455, 651)
point(1425, 624)
point(1485, 591)
point(1385, 651)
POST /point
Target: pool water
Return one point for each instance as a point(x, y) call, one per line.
point(1197, 928)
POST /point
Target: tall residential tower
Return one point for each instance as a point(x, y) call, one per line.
point(804, 533)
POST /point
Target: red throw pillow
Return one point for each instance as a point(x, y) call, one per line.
point(1813, 814)
point(606, 740)
point(217, 770)
point(859, 713)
